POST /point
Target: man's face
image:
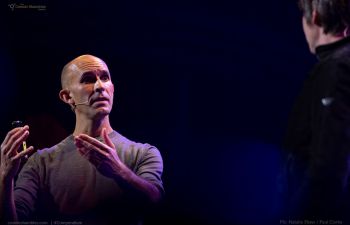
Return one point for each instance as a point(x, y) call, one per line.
point(90, 87)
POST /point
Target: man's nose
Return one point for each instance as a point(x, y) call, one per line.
point(99, 85)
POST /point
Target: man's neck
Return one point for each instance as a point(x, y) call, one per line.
point(91, 127)
point(329, 38)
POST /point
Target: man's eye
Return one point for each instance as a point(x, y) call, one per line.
point(87, 80)
point(104, 78)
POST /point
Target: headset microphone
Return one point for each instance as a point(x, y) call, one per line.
point(81, 103)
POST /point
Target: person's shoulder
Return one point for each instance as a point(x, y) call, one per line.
point(333, 70)
point(338, 61)
point(125, 144)
point(58, 148)
point(342, 53)
point(340, 67)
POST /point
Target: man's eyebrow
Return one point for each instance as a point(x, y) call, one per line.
point(104, 72)
point(88, 73)
point(94, 72)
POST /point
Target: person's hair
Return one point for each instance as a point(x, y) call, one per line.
point(333, 15)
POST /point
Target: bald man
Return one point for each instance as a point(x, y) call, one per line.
point(95, 175)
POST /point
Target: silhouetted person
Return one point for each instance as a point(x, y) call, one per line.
point(316, 178)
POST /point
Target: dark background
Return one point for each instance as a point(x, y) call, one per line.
point(210, 83)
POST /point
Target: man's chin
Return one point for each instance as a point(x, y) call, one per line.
point(100, 112)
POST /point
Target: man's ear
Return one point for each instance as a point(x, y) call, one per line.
point(315, 18)
point(65, 96)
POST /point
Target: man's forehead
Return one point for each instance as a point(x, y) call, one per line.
point(85, 65)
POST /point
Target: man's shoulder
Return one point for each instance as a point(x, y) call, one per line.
point(126, 146)
point(333, 70)
point(337, 61)
point(127, 143)
point(65, 144)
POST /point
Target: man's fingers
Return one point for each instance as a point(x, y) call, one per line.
point(100, 152)
point(23, 153)
point(18, 133)
point(91, 142)
point(80, 143)
point(91, 156)
point(15, 146)
point(88, 150)
point(106, 139)
point(12, 136)
point(83, 151)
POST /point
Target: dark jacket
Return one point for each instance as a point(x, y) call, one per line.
point(316, 177)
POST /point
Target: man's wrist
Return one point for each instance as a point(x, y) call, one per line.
point(121, 171)
point(6, 181)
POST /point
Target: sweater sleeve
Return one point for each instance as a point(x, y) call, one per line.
point(26, 189)
point(150, 166)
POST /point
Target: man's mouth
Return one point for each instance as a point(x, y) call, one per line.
point(100, 99)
